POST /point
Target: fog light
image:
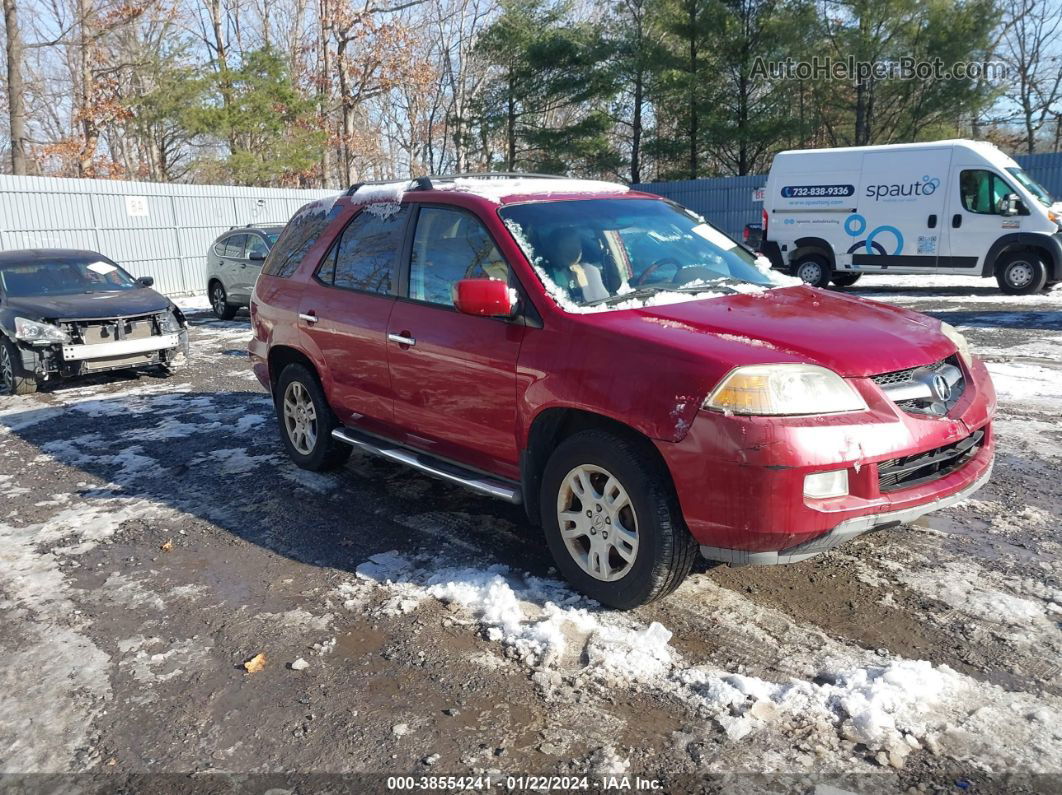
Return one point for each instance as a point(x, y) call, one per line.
point(826, 484)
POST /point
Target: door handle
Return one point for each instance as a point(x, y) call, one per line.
point(956, 221)
point(309, 317)
point(402, 339)
point(933, 221)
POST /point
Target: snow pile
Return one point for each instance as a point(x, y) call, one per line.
point(888, 707)
point(846, 707)
point(497, 189)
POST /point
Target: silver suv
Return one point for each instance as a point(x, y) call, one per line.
point(233, 264)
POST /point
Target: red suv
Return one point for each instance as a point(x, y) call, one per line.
point(642, 384)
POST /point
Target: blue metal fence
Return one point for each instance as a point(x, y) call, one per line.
point(728, 202)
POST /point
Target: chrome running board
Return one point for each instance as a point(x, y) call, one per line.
point(430, 465)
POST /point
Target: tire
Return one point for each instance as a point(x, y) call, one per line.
point(813, 270)
point(219, 302)
point(845, 279)
point(663, 550)
point(308, 440)
point(13, 379)
point(1021, 273)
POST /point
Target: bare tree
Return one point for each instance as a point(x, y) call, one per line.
point(16, 99)
point(1034, 60)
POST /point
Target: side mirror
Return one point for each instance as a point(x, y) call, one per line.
point(256, 256)
point(1008, 205)
point(145, 281)
point(484, 297)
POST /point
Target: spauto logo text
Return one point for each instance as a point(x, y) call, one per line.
point(926, 186)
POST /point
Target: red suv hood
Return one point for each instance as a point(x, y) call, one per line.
point(851, 336)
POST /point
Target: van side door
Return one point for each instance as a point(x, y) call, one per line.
point(900, 225)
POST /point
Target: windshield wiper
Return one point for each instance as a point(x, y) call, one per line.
point(638, 292)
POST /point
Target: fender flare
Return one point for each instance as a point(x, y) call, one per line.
point(1050, 244)
point(812, 245)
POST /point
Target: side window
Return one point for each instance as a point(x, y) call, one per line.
point(219, 247)
point(299, 236)
point(235, 245)
point(365, 255)
point(450, 245)
point(257, 246)
point(981, 191)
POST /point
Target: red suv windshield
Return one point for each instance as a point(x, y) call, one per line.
point(594, 251)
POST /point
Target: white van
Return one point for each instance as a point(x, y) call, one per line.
point(958, 207)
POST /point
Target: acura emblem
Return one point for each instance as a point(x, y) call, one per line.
point(941, 388)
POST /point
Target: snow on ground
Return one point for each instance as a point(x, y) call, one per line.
point(106, 471)
point(890, 707)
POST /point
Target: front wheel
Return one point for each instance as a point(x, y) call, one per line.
point(13, 379)
point(612, 521)
point(813, 270)
point(307, 421)
point(219, 302)
point(1021, 273)
point(845, 279)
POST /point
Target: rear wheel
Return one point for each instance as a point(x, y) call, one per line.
point(1021, 273)
point(13, 379)
point(612, 521)
point(813, 270)
point(219, 302)
point(845, 279)
point(307, 421)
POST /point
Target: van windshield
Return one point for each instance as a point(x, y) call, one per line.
point(1031, 185)
point(606, 252)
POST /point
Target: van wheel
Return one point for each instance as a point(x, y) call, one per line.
point(845, 279)
point(307, 421)
point(813, 270)
point(1021, 273)
point(13, 379)
point(219, 302)
point(612, 521)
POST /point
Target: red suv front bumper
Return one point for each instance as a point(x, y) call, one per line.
point(740, 480)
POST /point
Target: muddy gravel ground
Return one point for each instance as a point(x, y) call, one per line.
point(154, 538)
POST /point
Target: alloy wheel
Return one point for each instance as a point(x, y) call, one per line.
point(219, 299)
point(7, 371)
point(300, 418)
point(597, 522)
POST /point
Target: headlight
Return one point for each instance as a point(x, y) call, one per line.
point(774, 389)
point(961, 344)
point(168, 323)
point(38, 333)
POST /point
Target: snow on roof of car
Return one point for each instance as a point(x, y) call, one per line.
point(381, 191)
point(495, 189)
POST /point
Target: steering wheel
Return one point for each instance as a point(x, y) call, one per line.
point(641, 278)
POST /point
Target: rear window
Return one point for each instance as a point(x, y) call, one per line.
point(299, 236)
point(365, 256)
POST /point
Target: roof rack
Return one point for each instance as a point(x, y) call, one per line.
point(426, 183)
point(257, 224)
